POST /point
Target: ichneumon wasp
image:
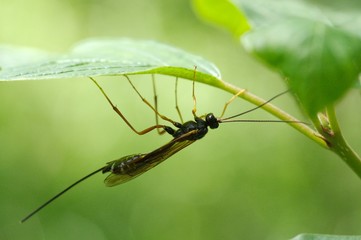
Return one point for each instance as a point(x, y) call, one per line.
point(131, 166)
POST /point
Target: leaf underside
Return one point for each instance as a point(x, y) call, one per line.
point(312, 46)
point(100, 57)
point(316, 48)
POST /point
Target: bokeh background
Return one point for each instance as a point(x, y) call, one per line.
point(242, 181)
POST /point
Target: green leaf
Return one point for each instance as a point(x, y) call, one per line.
point(317, 49)
point(314, 48)
point(321, 62)
point(325, 237)
point(98, 57)
point(11, 56)
point(222, 13)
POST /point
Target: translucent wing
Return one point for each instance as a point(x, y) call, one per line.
point(130, 167)
point(121, 169)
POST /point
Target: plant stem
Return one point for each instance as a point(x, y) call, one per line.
point(334, 142)
point(339, 145)
point(327, 135)
point(277, 112)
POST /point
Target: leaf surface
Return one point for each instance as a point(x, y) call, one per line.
point(99, 57)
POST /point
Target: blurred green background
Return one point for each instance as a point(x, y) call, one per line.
point(242, 181)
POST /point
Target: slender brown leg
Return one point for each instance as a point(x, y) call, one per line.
point(160, 131)
point(194, 110)
point(150, 105)
point(123, 117)
point(231, 100)
point(176, 100)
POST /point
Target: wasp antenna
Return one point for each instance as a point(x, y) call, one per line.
point(261, 120)
point(255, 108)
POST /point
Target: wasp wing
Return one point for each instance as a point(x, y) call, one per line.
point(132, 166)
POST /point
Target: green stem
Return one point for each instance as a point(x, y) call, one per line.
point(339, 145)
point(327, 135)
point(277, 112)
point(334, 141)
